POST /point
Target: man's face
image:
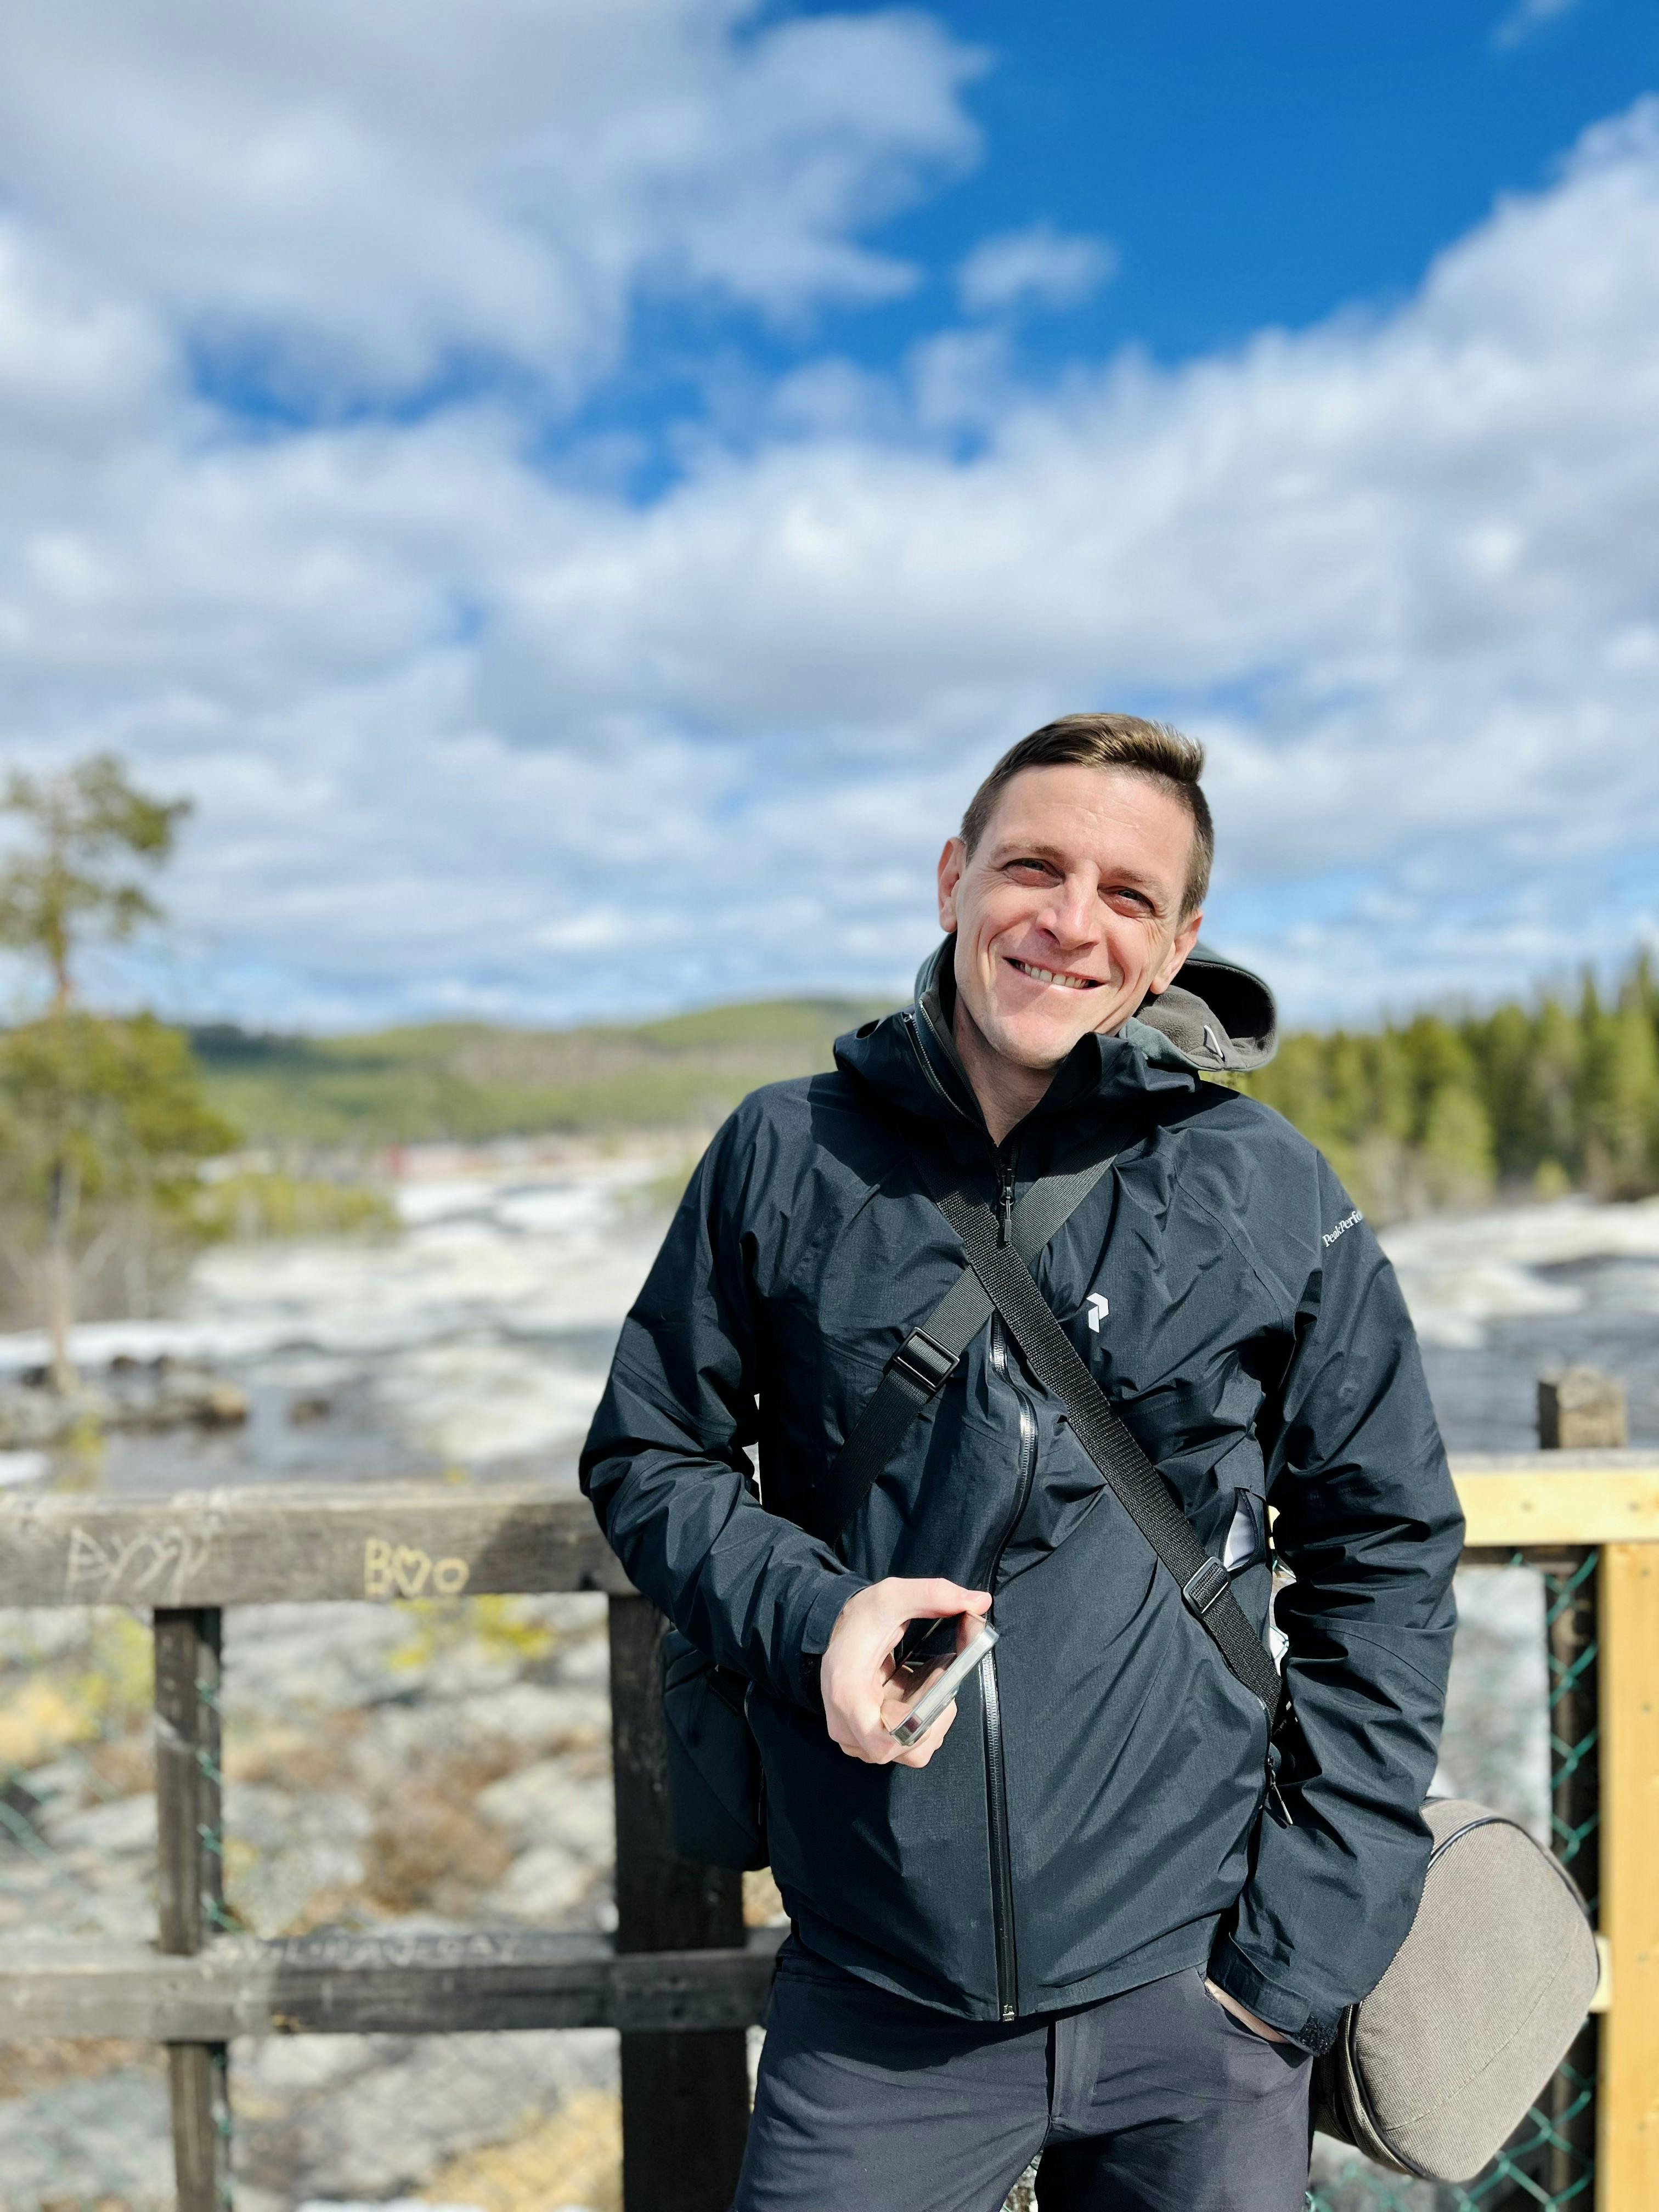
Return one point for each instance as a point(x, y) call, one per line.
point(1069, 911)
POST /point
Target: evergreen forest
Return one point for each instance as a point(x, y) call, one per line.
point(1445, 1110)
point(1441, 1109)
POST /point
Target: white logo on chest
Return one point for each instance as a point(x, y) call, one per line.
point(1098, 1309)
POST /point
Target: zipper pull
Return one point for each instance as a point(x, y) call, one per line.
point(1005, 1195)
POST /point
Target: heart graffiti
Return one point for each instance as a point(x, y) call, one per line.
point(404, 1570)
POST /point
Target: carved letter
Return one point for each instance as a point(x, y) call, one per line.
point(377, 1568)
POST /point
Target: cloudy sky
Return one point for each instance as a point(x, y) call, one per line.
point(578, 491)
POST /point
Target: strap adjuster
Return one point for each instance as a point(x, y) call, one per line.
point(1206, 1586)
point(925, 1366)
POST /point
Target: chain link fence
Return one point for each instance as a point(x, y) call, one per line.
point(443, 1766)
point(1549, 2164)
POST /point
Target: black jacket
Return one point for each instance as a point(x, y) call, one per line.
point(1099, 1816)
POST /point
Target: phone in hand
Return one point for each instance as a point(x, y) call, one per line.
point(938, 1693)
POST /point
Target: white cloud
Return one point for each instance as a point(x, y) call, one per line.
point(464, 732)
point(1038, 267)
point(1527, 18)
point(348, 200)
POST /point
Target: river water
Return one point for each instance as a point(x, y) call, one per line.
point(477, 1338)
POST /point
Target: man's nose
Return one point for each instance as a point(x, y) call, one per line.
point(1069, 917)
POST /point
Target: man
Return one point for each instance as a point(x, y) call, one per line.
point(1093, 1914)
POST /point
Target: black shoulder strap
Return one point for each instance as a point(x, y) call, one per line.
point(928, 1356)
point(1205, 1585)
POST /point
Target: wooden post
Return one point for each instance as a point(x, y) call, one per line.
point(1582, 1410)
point(1578, 1410)
point(685, 2095)
point(190, 1884)
point(1627, 2147)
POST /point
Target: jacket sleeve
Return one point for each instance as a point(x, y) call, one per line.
point(1369, 1523)
point(665, 1464)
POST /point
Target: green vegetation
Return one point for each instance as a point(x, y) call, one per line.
point(470, 1083)
point(102, 1123)
point(257, 1203)
point(1438, 1110)
point(1448, 1111)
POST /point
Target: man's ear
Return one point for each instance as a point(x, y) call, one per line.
point(952, 862)
point(1185, 938)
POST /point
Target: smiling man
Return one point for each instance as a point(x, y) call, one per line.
point(1108, 1919)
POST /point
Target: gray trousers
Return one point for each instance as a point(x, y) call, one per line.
point(1154, 2101)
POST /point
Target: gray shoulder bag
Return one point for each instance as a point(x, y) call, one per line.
point(1433, 2071)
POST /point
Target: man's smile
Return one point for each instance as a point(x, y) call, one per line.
point(1065, 981)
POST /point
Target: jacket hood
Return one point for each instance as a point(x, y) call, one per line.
point(1215, 1017)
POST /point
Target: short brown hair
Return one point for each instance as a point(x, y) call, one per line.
point(1153, 750)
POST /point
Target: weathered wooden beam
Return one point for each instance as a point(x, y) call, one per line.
point(256, 1545)
point(336, 1983)
point(396, 1539)
point(685, 2102)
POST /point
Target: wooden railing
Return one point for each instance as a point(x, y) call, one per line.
point(681, 1980)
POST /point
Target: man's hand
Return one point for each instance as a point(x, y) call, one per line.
point(861, 1698)
point(1232, 2004)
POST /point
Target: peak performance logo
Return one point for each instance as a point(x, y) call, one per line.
point(1330, 1236)
point(1098, 1309)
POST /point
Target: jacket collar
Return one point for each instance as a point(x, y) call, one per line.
point(911, 1059)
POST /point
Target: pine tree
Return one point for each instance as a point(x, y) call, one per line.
point(90, 1109)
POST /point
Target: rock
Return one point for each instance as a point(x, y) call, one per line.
point(35, 1418)
point(116, 1831)
point(96, 2141)
point(388, 2204)
point(301, 1659)
point(282, 1847)
point(385, 2127)
point(301, 2065)
point(585, 1658)
point(536, 1713)
point(161, 1395)
point(546, 1884)
point(41, 1716)
point(568, 1827)
point(167, 1394)
point(547, 1803)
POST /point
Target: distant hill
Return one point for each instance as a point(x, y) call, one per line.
point(1440, 1110)
point(469, 1082)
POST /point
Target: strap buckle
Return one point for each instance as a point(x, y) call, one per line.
point(925, 1366)
point(1206, 1586)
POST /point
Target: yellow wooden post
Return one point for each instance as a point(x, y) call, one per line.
point(1627, 2147)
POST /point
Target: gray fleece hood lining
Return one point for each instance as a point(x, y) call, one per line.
point(1215, 1017)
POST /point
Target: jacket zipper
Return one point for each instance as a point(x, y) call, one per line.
point(996, 1779)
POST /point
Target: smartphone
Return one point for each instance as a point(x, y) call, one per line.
point(933, 1699)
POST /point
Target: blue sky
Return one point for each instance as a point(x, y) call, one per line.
point(1245, 167)
point(579, 492)
point(1270, 164)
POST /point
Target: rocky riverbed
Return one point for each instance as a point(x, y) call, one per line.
point(446, 1765)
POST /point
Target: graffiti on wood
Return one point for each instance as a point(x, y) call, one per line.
point(155, 1565)
point(404, 1570)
